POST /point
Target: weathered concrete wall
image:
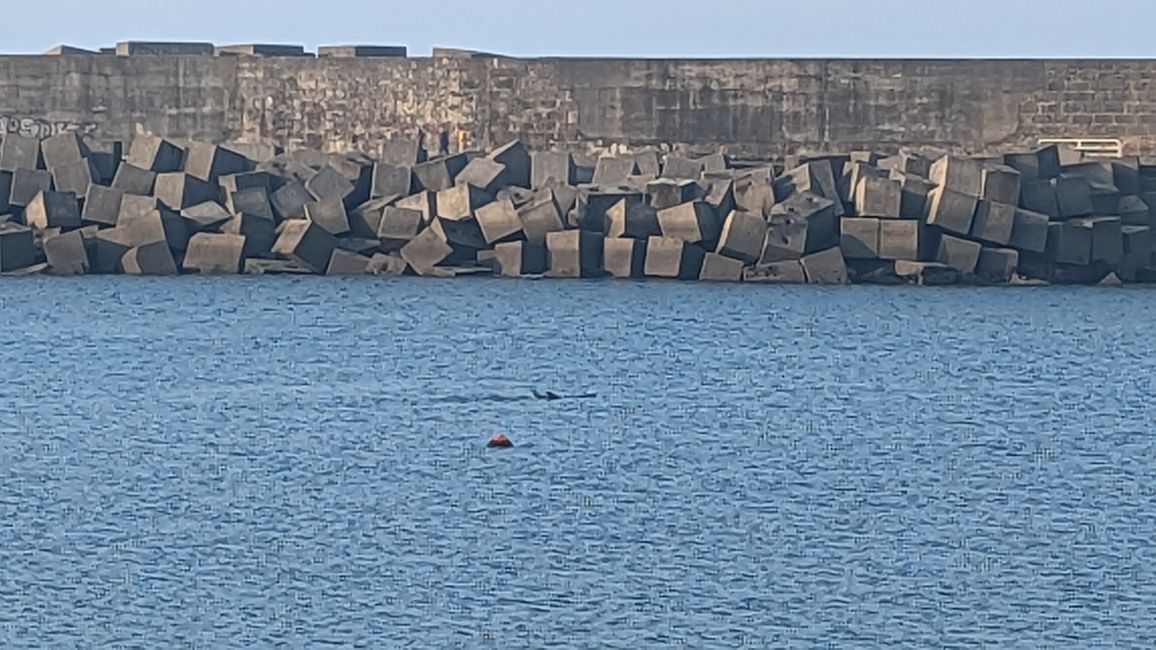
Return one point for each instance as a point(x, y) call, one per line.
point(752, 107)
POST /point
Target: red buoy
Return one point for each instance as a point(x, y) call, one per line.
point(500, 441)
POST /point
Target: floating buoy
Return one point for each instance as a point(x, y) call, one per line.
point(500, 441)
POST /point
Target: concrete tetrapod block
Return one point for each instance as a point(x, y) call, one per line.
point(859, 238)
point(518, 164)
point(574, 254)
point(631, 218)
point(826, 267)
point(515, 259)
point(131, 179)
point(951, 211)
point(330, 214)
point(67, 254)
point(306, 243)
point(719, 268)
point(673, 258)
point(499, 221)
point(1001, 184)
point(17, 247)
point(382, 264)
point(150, 259)
point(541, 218)
point(1069, 242)
point(743, 237)
point(693, 223)
point(904, 239)
point(289, 201)
point(994, 222)
point(209, 162)
point(1029, 231)
point(152, 153)
point(26, 184)
point(624, 258)
point(345, 262)
point(878, 197)
point(210, 254)
point(74, 177)
point(391, 180)
point(960, 175)
point(63, 149)
point(997, 264)
point(53, 210)
point(18, 151)
point(260, 234)
point(802, 224)
point(208, 216)
point(960, 254)
point(440, 173)
point(788, 272)
point(426, 251)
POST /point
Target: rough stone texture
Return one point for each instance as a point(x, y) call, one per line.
point(214, 254)
point(624, 258)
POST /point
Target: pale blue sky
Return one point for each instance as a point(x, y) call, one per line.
point(658, 28)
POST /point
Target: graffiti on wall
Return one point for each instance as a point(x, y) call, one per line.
point(35, 127)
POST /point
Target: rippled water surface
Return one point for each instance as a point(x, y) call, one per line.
point(299, 461)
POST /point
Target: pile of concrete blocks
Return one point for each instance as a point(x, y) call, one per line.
point(153, 206)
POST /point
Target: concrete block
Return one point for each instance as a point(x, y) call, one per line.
point(673, 259)
point(424, 202)
point(802, 224)
point(1107, 240)
point(289, 201)
point(105, 158)
point(1001, 184)
point(260, 233)
point(613, 171)
point(19, 152)
point(155, 154)
point(913, 163)
point(253, 201)
point(557, 165)
point(365, 219)
point(426, 251)
point(306, 243)
point(499, 221)
point(859, 238)
point(574, 254)
point(178, 190)
point(960, 254)
point(667, 193)
point(133, 206)
point(1073, 196)
point(206, 217)
point(715, 163)
point(209, 162)
point(926, 273)
point(403, 152)
point(156, 225)
point(232, 183)
point(855, 172)
point(719, 268)
point(1043, 164)
point(952, 211)
point(131, 179)
point(106, 250)
point(630, 217)
point(329, 214)
point(67, 254)
point(274, 267)
point(817, 178)
point(149, 259)
point(399, 226)
point(1126, 175)
point(5, 192)
point(648, 163)
point(362, 52)
point(997, 264)
point(1137, 249)
point(680, 168)
point(144, 48)
point(517, 164)
point(754, 197)
point(515, 259)
point(73, 177)
point(260, 50)
point(878, 197)
point(1030, 231)
point(720, 195)
point(904, 239)
point(53, 210)
point(440, 173)
point(826, 267)
point(61, 149)
point(17, 247)
point(1069, 242)
point(1039, 197)
point(1098, 174)
point(460, 203)
point(994, 222)
point(541, 218)
point(959, 175)
point(743, 237)
point(344, 262)
point(693, 223)
point(328, 183)
point(392, 180)
point(1134, 211)
point(624, 258)
point(1105, 203)
point(26, 184)
point(787, 272)
point(915, 190)
point(391, 265)
point(359, 245)
point(212, 254)
point(592, 204)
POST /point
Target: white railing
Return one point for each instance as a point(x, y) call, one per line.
point(1091, 147)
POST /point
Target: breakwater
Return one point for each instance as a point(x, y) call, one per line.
point(927, 216)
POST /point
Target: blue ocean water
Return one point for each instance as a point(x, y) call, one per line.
point(300, 462)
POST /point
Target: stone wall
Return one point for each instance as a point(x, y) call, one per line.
point(750, 107)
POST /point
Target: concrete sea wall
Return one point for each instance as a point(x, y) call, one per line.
point(750, 108)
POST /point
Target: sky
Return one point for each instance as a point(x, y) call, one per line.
point(611, 28)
